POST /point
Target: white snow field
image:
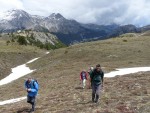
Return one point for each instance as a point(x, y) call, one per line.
point(12, 101)
point(125, 71)
point(18, 72)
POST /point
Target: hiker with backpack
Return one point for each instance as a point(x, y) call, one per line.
point(83, 78)
point(97, 81)
point(32, 90)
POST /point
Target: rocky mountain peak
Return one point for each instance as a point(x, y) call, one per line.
point(56, 16)
point(12, 14)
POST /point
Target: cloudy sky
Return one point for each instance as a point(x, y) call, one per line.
point(122, 12)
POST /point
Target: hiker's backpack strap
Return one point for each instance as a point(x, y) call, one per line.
point(26, 84)
point(93, 74)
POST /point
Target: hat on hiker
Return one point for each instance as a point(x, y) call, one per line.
point(91, 68)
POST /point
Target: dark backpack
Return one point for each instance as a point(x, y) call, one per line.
point(94, 73)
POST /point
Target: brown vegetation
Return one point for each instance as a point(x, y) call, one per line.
point(58, 76)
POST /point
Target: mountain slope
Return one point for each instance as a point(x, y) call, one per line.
point(43, 40)
point(58, 76)
point(13, 55)
point(68, 31)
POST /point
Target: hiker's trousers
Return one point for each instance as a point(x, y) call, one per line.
point(31, 100)
point(83, 83)
point(96, 89)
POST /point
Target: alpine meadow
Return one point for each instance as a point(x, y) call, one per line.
point(82, 56)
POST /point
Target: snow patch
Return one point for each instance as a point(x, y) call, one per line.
point(32, 60)
point(17, 72)
point(12, 101)
point(47, 52)
point(20, 16)
point(125, 71)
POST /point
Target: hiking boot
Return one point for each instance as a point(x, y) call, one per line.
point(93, 97)
point(31, 111)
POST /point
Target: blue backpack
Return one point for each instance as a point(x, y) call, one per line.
point(33, 84)
point(37, 84)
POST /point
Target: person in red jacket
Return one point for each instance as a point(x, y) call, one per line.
point(83, 78)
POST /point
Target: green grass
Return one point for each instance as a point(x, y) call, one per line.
point(15, 47)
point(58, 76)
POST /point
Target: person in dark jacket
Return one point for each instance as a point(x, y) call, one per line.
point(97, 81)
point(32, 90)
